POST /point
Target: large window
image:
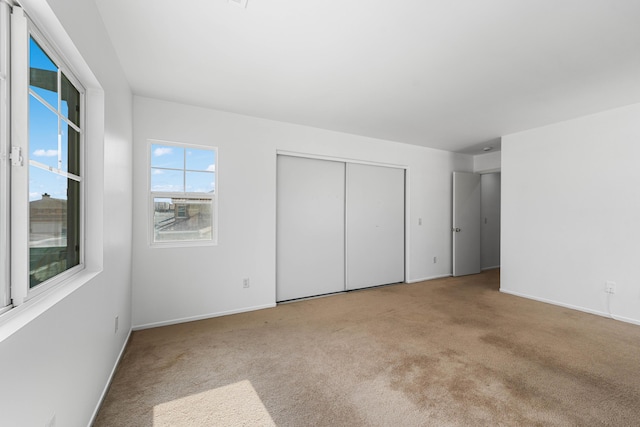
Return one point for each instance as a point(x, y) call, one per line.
point(54, 168)
point(182, 193)
point(41, 176)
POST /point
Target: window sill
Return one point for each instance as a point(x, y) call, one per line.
point(17, 318)
point(183, 244)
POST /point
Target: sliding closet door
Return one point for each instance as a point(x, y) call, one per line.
point(310, 227)
point(375, 225)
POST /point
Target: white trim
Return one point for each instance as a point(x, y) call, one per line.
point(345, 232)
point(19, 174)
point(407, 224)
point(424, 279)
point(573, 307)
point(490, 268)
point(201, 317)
point(172, 244)
point(179, 145)
point(338, 159)
point(183, 195)
point(54, 170)
point(488, 171)
point(110, 380)
point(92, 170)
point(52, 282)
point(5, 164)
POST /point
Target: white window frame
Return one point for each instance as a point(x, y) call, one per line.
point(22, 28)
point(5, 176)
point(182, 195)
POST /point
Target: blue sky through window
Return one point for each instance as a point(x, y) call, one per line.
point(45, 124)
point(39, 60)
point(179, 169)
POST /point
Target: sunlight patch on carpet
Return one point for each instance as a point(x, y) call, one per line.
point(236, 404)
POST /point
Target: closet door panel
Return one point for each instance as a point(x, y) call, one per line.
point(375, 225)
point(310, 227)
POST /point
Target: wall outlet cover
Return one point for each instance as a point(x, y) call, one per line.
point(610, 287)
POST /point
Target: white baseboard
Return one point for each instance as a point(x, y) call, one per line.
point(111, 375)
point(491, 268)
point(200, 317)
point(573, 307)
point(441, 276)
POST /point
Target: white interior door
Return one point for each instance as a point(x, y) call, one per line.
point(466, 223)
point(310, 257)
point(375, 225)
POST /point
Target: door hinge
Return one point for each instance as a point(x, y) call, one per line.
point(16, 156)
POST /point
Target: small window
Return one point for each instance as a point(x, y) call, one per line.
point(182, 187)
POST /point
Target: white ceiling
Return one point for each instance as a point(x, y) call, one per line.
point(447, 74)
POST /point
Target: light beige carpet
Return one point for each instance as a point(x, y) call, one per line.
point(235, 404)
point(450, 352)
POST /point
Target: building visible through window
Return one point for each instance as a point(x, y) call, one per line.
point(41, 186)
point(54, 168)
point(183, 183)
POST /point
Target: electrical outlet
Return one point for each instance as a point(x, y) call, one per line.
point(245, 282)
point(116, 325)
point(610, 287)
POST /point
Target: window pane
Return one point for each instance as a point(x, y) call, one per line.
point(200, 160)
point(43, 135)
point(42, 181)
point(182, 219)
point(70, 106)
point(43, 74)
point(166, 156)
point(167, 180)
point(200, 182)
point(70, 144)
point(54, 225)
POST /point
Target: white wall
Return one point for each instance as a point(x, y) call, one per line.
point(570, 209)
point(187, 283)
point(60, 362)
point(490, 212)
point(487, 163)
